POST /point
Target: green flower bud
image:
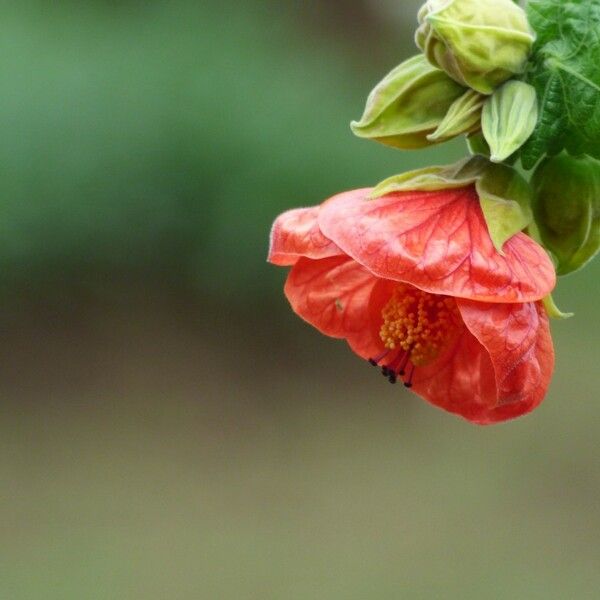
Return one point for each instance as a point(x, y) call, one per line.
point(408, 105)
point(567, 209)
point(509, 118)
point(464, 116)
point(479, 43)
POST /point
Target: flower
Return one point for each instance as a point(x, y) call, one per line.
point(413, 283)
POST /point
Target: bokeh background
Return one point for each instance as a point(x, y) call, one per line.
point(168, 428)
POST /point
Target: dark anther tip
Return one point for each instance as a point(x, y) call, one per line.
point(392, 379)
point(373, 362)
point(408, 385)
point(384, 371)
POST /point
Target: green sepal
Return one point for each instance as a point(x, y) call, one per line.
point(553, 311)
point(431, 179)
point(509, 118)
point(477, 145)
point(464, 116)
point(505, 201)
point(504, 195)
point(566, 206)
point(408, 105)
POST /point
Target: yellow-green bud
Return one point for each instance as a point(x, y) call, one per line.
point(408, 105)
point(566, 207)
point(464, 116)
point(509, 118)
point(479, 43)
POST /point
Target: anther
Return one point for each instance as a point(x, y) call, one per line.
point(395, 366)
point(408, 382)
point(375, 361)
point(418, 323)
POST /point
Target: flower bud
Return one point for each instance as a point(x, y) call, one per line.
point(408, 105)
point(509, 118)
point(479, 43)
point(567, 209)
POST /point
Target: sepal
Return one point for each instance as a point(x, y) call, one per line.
point(477, 145)
point(553, 311)
point(567, 209)
point(464, 116)
point(408, 105)
point(509, 118)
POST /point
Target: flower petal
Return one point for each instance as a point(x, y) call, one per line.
point(333, 294)
point(518, 341)
point(439, 242)
point(461, 381)
point(296, 233)
point(500, 367)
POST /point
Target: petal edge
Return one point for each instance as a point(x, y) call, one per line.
point(296, 233)
point(439, 242)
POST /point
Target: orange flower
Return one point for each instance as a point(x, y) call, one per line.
point(414, 284)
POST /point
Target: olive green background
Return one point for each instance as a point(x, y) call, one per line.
point(168, 428)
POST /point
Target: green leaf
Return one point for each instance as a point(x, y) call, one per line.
point(565, 71)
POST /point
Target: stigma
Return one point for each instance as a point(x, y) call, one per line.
point(416, 328)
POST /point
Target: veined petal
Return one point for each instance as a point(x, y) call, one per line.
point(517, 339)
point(296, 233)
point(461, 381)
point(437, 241)
point(500, 367)
point(333, 294)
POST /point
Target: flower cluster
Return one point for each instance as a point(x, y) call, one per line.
point(462, 83)
point(442, 277)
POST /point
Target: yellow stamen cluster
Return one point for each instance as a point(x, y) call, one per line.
point(419, 323)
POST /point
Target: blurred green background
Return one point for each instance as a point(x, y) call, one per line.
point(169, 429)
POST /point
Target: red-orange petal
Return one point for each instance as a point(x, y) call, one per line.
point(518, 340)
point(296, 233)
point(333, 294)
point(461, 381)
point(438, 242)
point(498, 370)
